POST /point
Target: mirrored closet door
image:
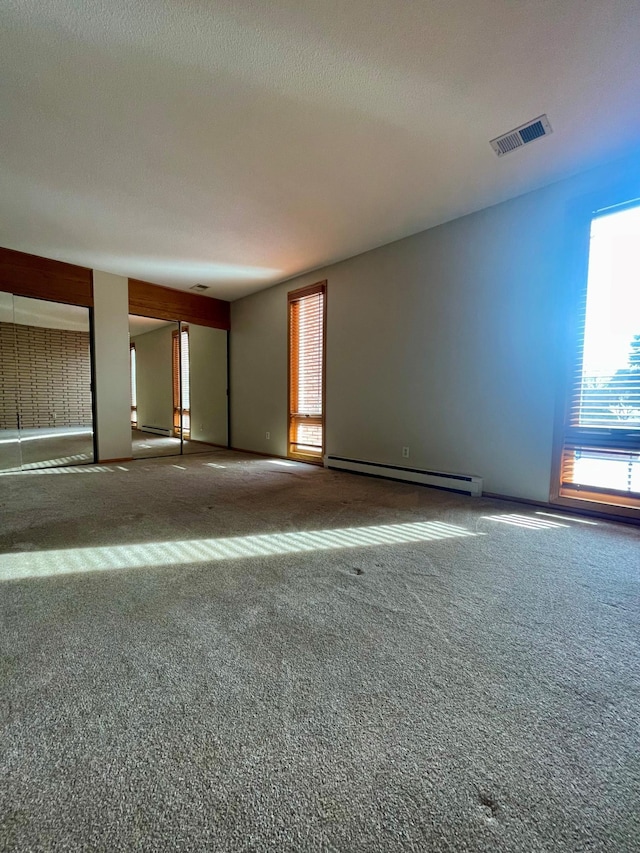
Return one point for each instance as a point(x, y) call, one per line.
point(153, 388)
point(178, 387)
point(10, 458)
point(46, 406)
point(204, 376)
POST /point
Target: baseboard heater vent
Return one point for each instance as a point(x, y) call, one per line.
point(158, 430)
point(463, 483)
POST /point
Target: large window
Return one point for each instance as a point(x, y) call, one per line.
point(600, 456)
point(306, 372)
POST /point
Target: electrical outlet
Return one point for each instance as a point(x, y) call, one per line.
point(268, 435)
point(405, 452)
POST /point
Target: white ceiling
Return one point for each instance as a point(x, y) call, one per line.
point(238, 143)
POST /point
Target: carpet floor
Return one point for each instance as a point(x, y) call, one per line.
point(53, 447)
point(231, 653)
point(46, 447)
point(147, 445)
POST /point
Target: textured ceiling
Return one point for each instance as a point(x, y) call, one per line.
point(239, 142)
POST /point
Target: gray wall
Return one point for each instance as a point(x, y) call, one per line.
point(154, 378)
point(111, 354)
point(208, 381)
point(451, 341)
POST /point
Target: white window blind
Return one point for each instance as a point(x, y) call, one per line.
point(601, 451)
point(306, 371)
point(181, 384)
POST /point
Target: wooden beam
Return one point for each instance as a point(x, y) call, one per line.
point(42, 278)
point(153, 300)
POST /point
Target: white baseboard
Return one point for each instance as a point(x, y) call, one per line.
point(468, 484)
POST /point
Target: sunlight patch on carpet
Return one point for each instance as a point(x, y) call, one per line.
point(67, 561)
point(80, 469)
point(567, 518)
point(527, 521)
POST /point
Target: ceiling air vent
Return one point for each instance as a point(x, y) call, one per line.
point(521, 136)
point(199, 287)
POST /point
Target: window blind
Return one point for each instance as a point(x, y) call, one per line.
point(180, 376)
point(306, 372)
point(601, 443)
point(184, 377)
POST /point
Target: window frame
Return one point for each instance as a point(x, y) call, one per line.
point(179, 412)
point(293, 297)
point(607, 502)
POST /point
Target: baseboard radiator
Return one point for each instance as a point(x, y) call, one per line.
point(156, 429)
point(463, 483)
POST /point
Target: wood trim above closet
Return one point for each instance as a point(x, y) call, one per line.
point(153, 300)
point(42, 278)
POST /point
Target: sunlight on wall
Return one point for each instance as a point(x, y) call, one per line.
point(43, 563)
point(38, 435)
point(28, 435)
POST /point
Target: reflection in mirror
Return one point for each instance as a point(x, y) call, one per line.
point(178, 387)
point(204, 379)
point(153, 384)
point(52, 405)
point(10, 459)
